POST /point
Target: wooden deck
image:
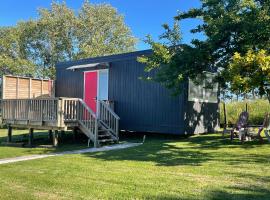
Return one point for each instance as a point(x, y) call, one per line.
point(61, 114)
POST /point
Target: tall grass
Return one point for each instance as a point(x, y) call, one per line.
point(256, 109)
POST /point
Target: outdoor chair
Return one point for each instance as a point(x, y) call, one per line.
point(239, 128)
point(266, 132)
point(252, 130)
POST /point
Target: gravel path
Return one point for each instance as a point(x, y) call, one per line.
point(88, 150)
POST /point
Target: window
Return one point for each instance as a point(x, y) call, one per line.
point(205, 92)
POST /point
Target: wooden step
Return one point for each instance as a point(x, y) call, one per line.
point(104, 136)
point(106, 140)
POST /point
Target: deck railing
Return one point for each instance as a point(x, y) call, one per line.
point(48, 110)
point(56, 112)
point(108, 117)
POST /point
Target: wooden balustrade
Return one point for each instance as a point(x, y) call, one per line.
point(28, 111)
point(58, 112)
point(108, 117)
point(86, 116)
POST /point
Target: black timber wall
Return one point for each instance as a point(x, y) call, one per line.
point(201, 117)
point(69, 83)
point(143, 106)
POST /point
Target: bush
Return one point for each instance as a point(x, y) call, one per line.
point(256, 109)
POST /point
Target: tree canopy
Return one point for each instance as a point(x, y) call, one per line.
point(60, 34)
point(232, 28)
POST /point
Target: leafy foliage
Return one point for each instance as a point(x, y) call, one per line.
point(11, 60)
point(229, 26)
point(59, 34)
point(250, 72)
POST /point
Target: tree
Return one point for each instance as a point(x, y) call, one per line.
point(249, 72)
point(102, 31)
point(11, 62)
point(49, 39)
point(230, 26)
point(60, 35)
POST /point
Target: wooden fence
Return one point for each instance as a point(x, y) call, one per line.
point(15, 87)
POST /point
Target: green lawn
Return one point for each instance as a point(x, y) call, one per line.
point(199, 167)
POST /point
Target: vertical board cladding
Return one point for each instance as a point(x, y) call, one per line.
point(23, 88)
point(10, 87)
point(201, 117)
point(69, 83)
point(143, 106)
point(36, 88)
point(201, 113)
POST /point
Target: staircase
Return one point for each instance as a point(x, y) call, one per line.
point(62, 113)
point(101, 127)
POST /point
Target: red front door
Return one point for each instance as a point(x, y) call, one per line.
point(90, 89)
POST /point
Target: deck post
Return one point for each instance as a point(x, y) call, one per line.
point(50, 135)
point(9, 138)
point(55, 138)
point(75, 133)
point(31, 137)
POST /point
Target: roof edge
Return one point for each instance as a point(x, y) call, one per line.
point(107, 58)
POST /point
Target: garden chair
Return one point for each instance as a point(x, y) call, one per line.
point(265, 125)
point(257, 134)
point(266, 132)
point(240, 127)
point(267, 128)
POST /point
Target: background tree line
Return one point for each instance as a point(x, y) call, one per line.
point(59, 34)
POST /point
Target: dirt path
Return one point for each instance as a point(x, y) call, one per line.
point(88, 150)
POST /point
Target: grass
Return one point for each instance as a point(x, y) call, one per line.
point(41, 138)
point(199, 167)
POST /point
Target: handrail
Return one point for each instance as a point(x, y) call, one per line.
point(110, 110)
point(87, 118)
point(86, 107)
point(108, 118)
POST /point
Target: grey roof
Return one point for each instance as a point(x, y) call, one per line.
point(104, 59)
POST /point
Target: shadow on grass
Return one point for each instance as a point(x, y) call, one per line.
point(193, 151)
point(243, 193)
point(240, 193)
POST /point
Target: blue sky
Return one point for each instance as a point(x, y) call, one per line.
point(142, 16)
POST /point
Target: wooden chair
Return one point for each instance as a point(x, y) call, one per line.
point(257, 134)
point(267, 127)
point(240, 126)
point(266, 132)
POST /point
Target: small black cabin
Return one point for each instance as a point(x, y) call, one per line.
point(142, 106)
